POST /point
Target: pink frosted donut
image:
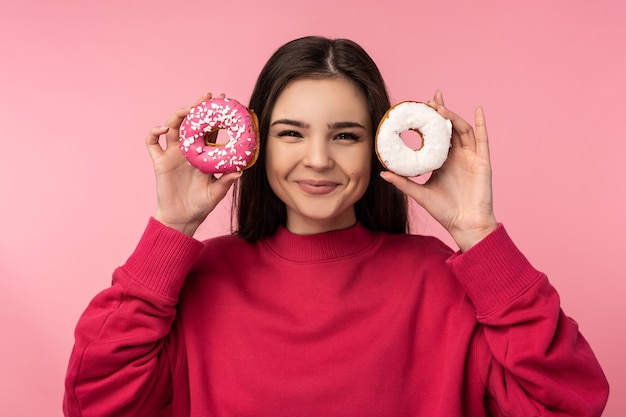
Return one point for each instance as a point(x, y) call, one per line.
point(239, 122)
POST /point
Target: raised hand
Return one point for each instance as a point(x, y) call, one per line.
point(459, 194)
point(185, 196)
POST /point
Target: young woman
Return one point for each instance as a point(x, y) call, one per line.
point(320, 303)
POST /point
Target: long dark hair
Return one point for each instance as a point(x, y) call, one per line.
point(258, 211)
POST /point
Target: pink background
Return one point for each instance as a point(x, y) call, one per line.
point(81, 82)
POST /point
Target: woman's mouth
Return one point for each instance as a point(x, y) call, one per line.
point(317, 187)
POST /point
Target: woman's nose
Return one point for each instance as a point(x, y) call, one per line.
point(317, 154)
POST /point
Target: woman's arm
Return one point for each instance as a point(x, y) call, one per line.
point(535, 360)
point(119, 365)
point(539, 363)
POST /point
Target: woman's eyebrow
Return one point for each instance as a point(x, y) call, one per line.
point(290, 122)
point(344, 125)
point(331, 126)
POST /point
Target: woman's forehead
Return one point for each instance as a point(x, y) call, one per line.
point(327, 101)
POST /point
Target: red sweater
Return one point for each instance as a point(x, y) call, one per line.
point(344, 323)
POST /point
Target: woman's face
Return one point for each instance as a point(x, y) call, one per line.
point(318, 153)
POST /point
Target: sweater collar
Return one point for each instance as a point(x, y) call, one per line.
point(321, 246)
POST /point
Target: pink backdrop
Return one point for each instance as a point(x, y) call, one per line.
point(549, 74)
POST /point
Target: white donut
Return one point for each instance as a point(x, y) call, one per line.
point(435, 130)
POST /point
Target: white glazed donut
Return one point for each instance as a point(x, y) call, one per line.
point(435, 130)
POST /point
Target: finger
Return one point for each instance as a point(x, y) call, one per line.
point(205, 97)
point(219, 187)
point(152, 140)
point(438, 97)
point(173, 123)
point(482, 138)
point(230, 178)
point(462, 132)
point(404, 184)
point(436, 101)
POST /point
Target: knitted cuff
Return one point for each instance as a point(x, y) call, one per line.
point(493, 272)
point(162, 259)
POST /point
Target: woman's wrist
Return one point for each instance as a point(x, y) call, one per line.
point(188, 228)
point(467, 238)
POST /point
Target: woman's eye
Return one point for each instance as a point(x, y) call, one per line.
point(289, 133)
point(347, 136)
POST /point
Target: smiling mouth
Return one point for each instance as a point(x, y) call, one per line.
point(317, 187)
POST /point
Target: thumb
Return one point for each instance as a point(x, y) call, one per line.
point(412, 189)
point(220, 187)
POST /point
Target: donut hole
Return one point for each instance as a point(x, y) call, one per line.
point(413, 139)
point(210, 138)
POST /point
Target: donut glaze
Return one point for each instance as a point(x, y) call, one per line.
point(435, 130)
point(241, 125)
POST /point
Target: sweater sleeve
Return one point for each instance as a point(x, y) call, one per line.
point(118, 366)
point(535, 360)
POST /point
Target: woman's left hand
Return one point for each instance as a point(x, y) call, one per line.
point(459, 194)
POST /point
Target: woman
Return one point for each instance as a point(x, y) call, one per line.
point(320, 303)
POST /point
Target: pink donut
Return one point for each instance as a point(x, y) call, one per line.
point(239, 122)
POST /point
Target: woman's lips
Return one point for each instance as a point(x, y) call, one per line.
point(317, 187)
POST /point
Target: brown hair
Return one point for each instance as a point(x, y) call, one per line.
point(258, 211)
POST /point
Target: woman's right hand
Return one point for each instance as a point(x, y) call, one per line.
point(185, 195)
